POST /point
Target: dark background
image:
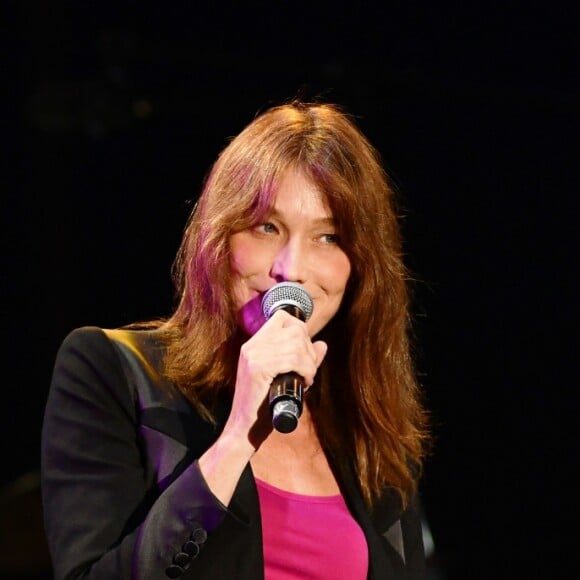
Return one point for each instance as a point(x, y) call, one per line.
point(113, 114)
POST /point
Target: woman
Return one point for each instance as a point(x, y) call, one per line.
point(159, 458)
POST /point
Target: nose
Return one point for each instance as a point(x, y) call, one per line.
point(290, 263)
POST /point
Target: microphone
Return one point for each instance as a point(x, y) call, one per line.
point(286, 390)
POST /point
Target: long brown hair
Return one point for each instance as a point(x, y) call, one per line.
point(366, 405)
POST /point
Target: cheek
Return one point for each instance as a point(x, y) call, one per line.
point(246, 255)
point(249, 316)
point(238, 261)
point(245, 264)
point(334, 276)
point(337, 273)
point(239, 267)
point(248, 308)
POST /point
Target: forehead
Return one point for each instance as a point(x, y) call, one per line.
point(297, 194)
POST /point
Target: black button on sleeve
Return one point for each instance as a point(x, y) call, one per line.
point(182, 559)
point(199, 535)
point(191, 548)
point(174, 571)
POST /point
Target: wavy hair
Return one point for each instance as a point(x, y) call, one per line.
point(366, 403)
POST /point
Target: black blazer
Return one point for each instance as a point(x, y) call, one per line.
point(123, 495)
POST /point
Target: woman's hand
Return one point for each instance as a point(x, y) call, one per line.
point(280, 346)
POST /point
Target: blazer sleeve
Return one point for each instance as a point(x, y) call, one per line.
point(94, 484)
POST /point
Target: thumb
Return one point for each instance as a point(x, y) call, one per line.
point(321, 348)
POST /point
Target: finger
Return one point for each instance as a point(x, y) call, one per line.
point(320, 349)
point(285, 319)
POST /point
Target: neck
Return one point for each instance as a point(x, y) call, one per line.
point(302, 440)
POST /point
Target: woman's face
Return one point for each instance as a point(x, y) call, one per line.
point(295, 242)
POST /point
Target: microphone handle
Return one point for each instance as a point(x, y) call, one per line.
point(285, 401)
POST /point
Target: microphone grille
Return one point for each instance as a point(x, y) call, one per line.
point(287, 294)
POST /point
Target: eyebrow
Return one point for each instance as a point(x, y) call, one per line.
point(327, 220)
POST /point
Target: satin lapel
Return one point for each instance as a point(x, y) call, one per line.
point(384, 562)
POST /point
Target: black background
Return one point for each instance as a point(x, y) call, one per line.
point(113, 114)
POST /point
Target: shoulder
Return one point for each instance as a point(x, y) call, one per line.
point(102, 339)
point(83, 336)
point(85, 349)
point(86, 345)
point(90, 344)
point(120, 358)
point(87, 368)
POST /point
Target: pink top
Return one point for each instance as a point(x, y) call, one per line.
point(310, 537)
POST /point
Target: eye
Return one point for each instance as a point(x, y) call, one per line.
point(266, 228)
point(332, 239)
